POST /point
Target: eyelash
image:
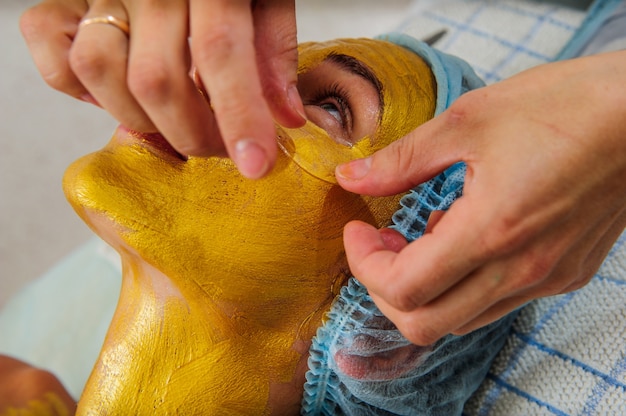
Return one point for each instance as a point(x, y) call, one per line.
point(341, 97)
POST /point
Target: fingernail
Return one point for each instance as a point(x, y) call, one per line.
point(355, 169)
point(251, 159)
point(295, 101)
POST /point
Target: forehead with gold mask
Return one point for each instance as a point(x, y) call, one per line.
point(225, 280)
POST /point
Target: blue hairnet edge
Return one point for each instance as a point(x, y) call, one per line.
point(453, 75)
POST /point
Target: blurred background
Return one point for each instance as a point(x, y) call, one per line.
point(42, 131)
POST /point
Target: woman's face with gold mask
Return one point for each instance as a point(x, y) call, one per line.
point(226, 279)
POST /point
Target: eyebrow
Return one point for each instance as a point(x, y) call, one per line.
point(357, 67)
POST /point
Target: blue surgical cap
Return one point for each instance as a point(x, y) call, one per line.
point(359, 363)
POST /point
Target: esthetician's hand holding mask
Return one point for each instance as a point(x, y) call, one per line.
point(132, 57)
point(225, 280)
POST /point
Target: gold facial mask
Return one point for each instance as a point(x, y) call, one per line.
point(225, 280)
point(407, 82)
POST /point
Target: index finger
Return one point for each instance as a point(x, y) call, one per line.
point(222, 46)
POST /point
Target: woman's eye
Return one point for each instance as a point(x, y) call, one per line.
point(329, 108)
point(333, 111)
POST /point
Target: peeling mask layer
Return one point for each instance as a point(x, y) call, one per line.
point(224, 277)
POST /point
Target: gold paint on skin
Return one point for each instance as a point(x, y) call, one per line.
point(224, 279)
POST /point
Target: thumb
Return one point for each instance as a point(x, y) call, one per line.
point(405, 163)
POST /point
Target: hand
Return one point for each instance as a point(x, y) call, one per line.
point(544, 199)
point(31, 390)
point(244, 51)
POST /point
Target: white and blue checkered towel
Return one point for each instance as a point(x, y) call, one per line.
point(500, 38)
point(566, 354)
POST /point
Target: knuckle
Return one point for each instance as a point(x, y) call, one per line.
point(89, 64)
point(506, 233)
point(405, 300)
point(560, 279)
point(279, 43)
point(538, 269)
point(275, 63)
point(401, 152)
point(401, 156)
point(233, 106)
point(533, 271)
point(32, 21)
point(466, 112)
point(149, 80)
point(531, 276)
point(459, 113)
point(494, 244)
point(404, 155)
point(59, 80)
point(422, 334)
point(575, 284)
point(215, 46)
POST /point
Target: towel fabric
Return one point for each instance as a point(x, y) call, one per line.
point(566, 354)
point(500, 38)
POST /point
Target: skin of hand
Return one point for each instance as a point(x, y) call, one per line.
point(244, 51)
point(544, 199)
point(32, 390)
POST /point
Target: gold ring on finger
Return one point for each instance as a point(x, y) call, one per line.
point(108, 20)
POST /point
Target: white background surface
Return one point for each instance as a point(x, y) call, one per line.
point(42, 131)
